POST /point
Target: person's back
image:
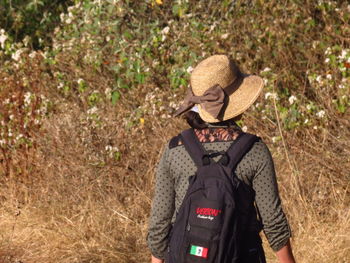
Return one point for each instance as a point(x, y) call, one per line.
point(216, 130)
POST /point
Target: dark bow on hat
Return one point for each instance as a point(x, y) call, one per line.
point(212, 101)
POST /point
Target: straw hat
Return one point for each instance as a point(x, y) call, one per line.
point(221, 90)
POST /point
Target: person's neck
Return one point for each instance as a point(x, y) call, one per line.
point(223, 124)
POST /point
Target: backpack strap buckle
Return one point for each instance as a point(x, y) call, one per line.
point(225, 159)
point(206, 159)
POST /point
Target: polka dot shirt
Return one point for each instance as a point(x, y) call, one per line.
point(256, 169)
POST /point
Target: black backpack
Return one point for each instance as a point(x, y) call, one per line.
point(210, 222)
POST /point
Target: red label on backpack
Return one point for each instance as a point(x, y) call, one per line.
point(207, 213)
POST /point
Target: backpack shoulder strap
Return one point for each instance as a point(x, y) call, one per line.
point(239, 148)
point(194, 147)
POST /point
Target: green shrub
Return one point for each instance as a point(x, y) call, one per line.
point(156, 43)
point(31, 20)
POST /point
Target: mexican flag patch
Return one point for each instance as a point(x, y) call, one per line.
point(199, 251)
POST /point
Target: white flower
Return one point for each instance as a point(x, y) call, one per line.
point(321, 114)
point(165, 30)
point(17, 55)
point(319, 78)
point(27, 98)
point(189, 69)
point(68, 21)
point(173, 105)
point(108, 38)
point(3, 38)
point(62, 16)
point(327, 60)
point(108, 92)
point(308, 107)
point(329, 76)
point(111, 149)
point(292, 99)
point(306, 121)
point(344, 52)
point(273, 95)
point(80, 81)
point(2, 142)
point(244, 128)
point(341, 86)
point(267, 95)
point(328, 51)
point(92, 110)
point(267, 69)
point(315, 127)
point(274, 139)
point(224, 36)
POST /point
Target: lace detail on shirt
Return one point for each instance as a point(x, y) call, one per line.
point(217, 134)
point(213, 134)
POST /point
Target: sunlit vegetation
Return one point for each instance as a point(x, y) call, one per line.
point(87, 93)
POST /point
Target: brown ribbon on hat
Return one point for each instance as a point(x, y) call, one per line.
point(212, 101)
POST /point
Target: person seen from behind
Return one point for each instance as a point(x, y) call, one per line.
point(220, 93)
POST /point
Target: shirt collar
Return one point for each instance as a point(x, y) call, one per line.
point(224, 124)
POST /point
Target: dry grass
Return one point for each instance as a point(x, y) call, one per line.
point(80, 206)
point(315, 190)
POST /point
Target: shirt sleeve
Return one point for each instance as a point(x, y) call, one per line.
point(162, 208)
point(268, 202)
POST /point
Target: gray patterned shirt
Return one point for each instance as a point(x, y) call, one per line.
point(256, 169)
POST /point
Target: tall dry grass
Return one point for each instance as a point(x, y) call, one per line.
point(78, 206)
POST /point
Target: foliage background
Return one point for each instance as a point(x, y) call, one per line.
point(87, 90)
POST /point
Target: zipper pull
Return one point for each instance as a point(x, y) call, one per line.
point(188, 227)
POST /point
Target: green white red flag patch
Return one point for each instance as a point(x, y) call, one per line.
point(199, 251)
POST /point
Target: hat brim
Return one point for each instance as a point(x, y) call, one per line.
point(239, 101)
